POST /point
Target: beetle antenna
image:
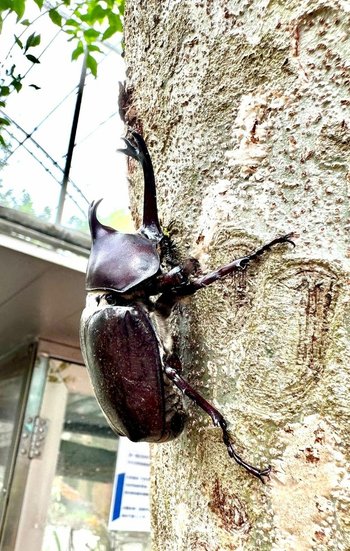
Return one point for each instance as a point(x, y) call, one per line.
point(150, 227)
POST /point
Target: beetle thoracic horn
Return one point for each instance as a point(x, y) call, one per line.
point(96, 228)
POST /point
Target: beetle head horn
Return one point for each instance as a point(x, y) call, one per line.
point(96, 228)
point(137, 149)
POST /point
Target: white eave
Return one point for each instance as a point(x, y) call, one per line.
point(42, 282)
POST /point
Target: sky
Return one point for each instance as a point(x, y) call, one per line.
point(97, 169)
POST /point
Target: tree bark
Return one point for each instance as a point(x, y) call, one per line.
point(244, 106)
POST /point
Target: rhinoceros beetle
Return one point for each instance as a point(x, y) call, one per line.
point(125, 342)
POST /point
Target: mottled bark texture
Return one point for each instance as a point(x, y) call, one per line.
point(245, 108)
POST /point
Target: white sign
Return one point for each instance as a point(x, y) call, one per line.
point(130, 501)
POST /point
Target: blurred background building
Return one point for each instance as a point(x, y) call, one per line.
point(57, 453)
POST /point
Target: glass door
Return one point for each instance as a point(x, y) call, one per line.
point(15, 374)
point(68, 491)
point(81, 490)
point(63, 463)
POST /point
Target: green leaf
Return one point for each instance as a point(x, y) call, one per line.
point(39, 3)
point(90, 35)
point(110, 31)
point(121, 7)
point(16, 83)
point(4, 90)
point(115, 21)
point(98, 13)
point(4, 122)
point(32, 41)
point(36, 40)
point(77, 13)
point(55, 17)
point(18, 42)
point(78, 51)
point(25, 22)
point(72, 23)
point(86, 17)
point(115, 25)
point(32, 58)
point(94, 48)
point(6, 5)
point(91, 63)
point(2, 141)
point(18, 7)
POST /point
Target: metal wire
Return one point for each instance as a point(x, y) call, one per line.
point(29, 136)
point(46, 170)
point(55, 163)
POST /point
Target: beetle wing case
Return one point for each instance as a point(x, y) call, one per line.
point(120, 350)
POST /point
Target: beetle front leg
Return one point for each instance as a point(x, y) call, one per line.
point(176, 284)
point(217, 418)
point(235, 266)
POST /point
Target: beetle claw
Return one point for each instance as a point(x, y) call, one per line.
point(265, 473)
point(259, 473)
point(130, 150)
point(135, 147)
point(289, 238)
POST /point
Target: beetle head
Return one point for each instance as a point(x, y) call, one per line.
point(118, 261)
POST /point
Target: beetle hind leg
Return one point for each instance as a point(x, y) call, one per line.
point(259, 473)
point(218, 421)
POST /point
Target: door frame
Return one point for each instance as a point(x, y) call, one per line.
point(23, 464)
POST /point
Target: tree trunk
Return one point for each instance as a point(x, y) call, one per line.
point(245, 109)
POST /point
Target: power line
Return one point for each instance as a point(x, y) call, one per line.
point(45, 168)
point(37, 126)
point(24, 30)
point(71, 144)
point(42, 121)
point(96, 128)
point(29, 136)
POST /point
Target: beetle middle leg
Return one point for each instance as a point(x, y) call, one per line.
point(217, 418)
